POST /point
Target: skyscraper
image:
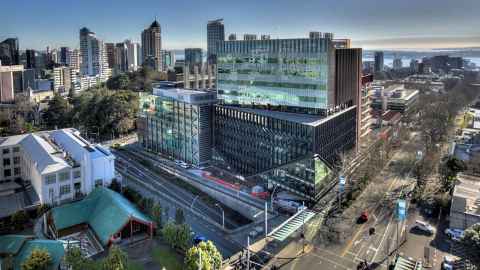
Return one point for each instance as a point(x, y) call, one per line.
point(64, 55)
point(397, 63)
point(30, 55)
point(75, 59)
point(152, 46)
point(193, 57)
point(110, 51)
point(378, 61)
point(133, 49)
point(121, 61)
point(215, 33)
point(9, 52)
point(93, 54)
point(168, 59)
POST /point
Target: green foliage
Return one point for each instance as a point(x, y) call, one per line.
point(156, 214)
point(203, 256)
point(166, 258)
point(74, 259)
point(42, 209)
point(179, 217)
point(449, 171)
point(471, 240)
point(177, 236)
point(19, 219)
point(39, 259)
point(115, 185)
point(57, 113)
point(116, 259)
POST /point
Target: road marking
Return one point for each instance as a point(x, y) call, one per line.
point(383, 238)
point(350, 243)
point(335, 264)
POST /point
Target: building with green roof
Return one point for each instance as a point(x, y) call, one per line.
point(19, 248)
point(105, 212)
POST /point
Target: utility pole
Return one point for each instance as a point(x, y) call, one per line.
point(248, 252)
point(266, 220)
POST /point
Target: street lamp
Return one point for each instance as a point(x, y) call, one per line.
point(223, 215)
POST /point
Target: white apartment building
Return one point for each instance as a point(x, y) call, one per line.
point(59, 164)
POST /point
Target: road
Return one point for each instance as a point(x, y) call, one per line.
point(171, 197)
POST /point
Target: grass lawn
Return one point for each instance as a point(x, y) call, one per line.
point(165, 257)
point(132, 265)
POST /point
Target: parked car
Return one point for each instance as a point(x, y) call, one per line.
point(454, 234)
point(447, 263)
point(424, 226)
point(198, 239)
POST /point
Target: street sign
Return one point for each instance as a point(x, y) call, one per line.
point(401, 209)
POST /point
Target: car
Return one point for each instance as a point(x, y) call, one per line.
point(447, 263)
point(454, 234)
point(198, 239)
point(424, 226)
point(363, 217)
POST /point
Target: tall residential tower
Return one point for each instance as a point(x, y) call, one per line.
point(215, 33)
point(152, 46)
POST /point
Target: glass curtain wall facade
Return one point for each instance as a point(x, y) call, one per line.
point(291, 150)
point(293, 74)
point(176, 129)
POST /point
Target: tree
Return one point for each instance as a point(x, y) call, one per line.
point(179, 217)
point(449, 170)
point(57, 113)
point(75, 261)
point(39, 259)
point(19, 219)
point(116, 259)
point(471, 240)
point(169, 234)
point(203, 256)
point(177, 236)
point(156, 213)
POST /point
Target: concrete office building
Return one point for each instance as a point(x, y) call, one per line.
point(93, 55)
point(178, 123)
point(168, 59)
point(9, 52)
point(110, 51)
point(62, 81)
point(11, 82)
point(60, 165)
point(75, 59)
point(133, 51)
point(152, 46)
point(378, 61)
point(30, 59)
point(193, 57)
point(215, 33)
point(121, 61)
point(465, 209)
point(64, 57)
point(287, 108)
point(397, 64)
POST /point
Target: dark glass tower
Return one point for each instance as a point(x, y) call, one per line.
point(215, 33)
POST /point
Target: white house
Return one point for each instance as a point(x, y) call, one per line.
point(59, 164)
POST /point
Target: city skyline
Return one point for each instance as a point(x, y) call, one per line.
point(384, 27)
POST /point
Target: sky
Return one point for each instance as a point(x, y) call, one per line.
point(371, 24)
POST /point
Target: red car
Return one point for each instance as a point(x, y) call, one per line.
point(363, 217)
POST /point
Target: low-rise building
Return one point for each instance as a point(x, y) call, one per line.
point(465, 209)
point(398, 98)
point(59, 164)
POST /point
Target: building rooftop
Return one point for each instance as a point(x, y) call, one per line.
point(187, 95)
point(104, 210)
point(304, 119)
point(466, 195)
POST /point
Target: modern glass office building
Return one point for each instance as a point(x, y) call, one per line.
point(295, 74)
point(292, 150)
point(178, 123)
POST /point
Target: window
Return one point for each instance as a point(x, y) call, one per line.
point(16, 171)
point(50, 179)
point(16, 160)
point(64, 176)
point(6, 151)
point(6, 162)
point(65, 189)
point(7, 172)
point(16, 149)
point(98, 183)
point(76, 174)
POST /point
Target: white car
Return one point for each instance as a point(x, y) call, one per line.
point(447, 263)
point(454, 234)
point(424, 226)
